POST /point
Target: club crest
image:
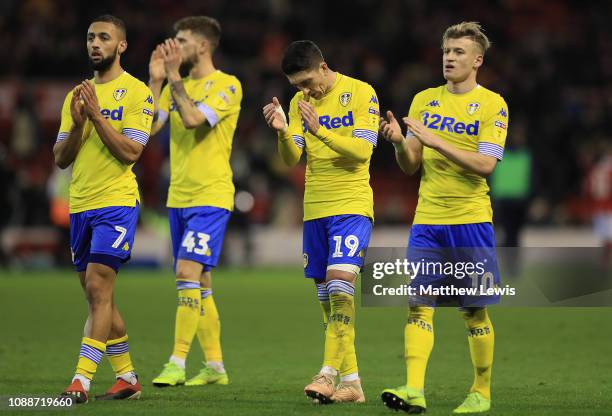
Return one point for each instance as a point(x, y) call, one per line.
point(119, 93)
point(207, 85)
point(472, 108)
point(345, 98)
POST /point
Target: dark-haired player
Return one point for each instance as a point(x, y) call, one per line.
point(105, 126)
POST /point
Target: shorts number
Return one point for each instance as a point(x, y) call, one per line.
point(189, 242)
point(351, 242)
point(122, 232)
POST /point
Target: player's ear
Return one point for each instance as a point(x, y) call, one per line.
point(323, 67)
point(122, 47)
point(478, 61)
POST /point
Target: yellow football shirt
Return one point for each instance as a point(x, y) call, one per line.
point(476, 121)
point(99, 179)
point(200, 172)
point(335, 184)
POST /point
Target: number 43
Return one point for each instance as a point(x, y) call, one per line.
point(189, 242)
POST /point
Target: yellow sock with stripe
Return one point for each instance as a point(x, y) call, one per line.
point(187, 317)
point(209, 330)
point(89, 357)
point(118, 355)
point(481, 339)
point(339, 334)
point(348, 369)
point(418, 343)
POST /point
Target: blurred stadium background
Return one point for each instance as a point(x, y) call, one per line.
point(551, 60)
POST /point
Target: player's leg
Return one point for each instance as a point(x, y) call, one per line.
point(315, 248)
point(209, 225)
point(478, 241)
point(419, 327)
point(209, 337)
point(347, 238)
point(481, 339)
point(117, 351)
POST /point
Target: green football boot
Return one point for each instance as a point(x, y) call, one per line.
point(405, 398)
point(473, 403)
point(208, 375)
point(171, 375)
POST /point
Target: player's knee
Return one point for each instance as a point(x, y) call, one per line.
point(206, 280)
point(98, 291)
point(187, 274)
point(420, 312)
point(346, 272)
point(474, 316)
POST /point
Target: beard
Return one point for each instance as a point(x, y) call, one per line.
point(187, 65)
point(105, 63)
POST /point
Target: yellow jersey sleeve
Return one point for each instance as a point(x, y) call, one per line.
point(368, 115)
point(224, 99)
point(139, 117)
point(296, 126)
point(164, 100)
point(66, 119)
point(492, 138)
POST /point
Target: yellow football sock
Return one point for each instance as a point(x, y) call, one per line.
point(209, 328)
point(349, 363)
point(119, 355)
point(418, 343)
point(89, 357)
point(187, 317)
point(481, 339)
point(341, 325)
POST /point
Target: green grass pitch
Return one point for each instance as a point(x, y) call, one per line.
point(548, 361)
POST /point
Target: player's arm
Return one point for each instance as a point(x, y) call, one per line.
point(408, 150)
point(69, 139)
point(123, 148)
point(290, 145)
point(479, 163)
point(347, 146)
point(157, 75)
point(191, 115)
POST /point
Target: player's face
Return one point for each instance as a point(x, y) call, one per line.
point(105, 44)
point(192, 45)
point(460, 58)
point(312, 82)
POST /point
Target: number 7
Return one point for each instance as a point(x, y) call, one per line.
point(122, 232)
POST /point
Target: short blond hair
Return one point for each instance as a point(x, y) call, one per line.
point(471, 30)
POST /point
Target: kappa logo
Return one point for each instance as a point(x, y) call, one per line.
point(119, 93)
point(433, 103)
point(472, 108)
point(503, 113)
point(374, 99)
point(232, 89)
point(149, 100)
point(345, 98)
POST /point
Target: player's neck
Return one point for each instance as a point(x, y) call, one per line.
point(330, 80)
point(110, 74)
point(461, 87)
point(202, 69)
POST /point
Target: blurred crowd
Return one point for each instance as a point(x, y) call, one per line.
point(551, 60)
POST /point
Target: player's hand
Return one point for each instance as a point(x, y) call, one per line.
point(77, 108)
point(390, 129)
point(171, 52)
point(309, 116)
point(90, 100)
point(422, 133)
point(275, 116)
point(157, 70)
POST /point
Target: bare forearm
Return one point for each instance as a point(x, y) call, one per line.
point(288, 150)
point(407, 156)
point(65, 151)
point(477, 163)
point(124, 149)
point(190, 115)
point(156, 87)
